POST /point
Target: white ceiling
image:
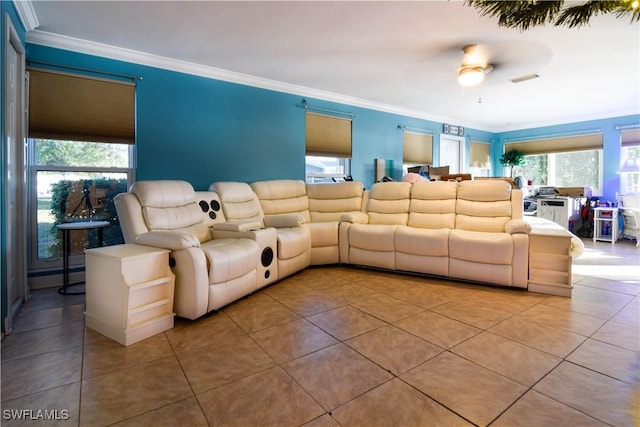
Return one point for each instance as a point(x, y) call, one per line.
point(394, 56)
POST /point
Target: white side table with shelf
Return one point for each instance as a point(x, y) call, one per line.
point(129, 292)
point(605, 224)
point(550, 261)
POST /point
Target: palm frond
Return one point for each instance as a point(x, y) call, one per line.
point(530, 13)
point(579, 15)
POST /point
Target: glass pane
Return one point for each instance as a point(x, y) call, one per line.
point(76, 196)
point(52, 152)
point(630, 182)
point(535, 169)
point(326, 169)
point(577, 169)
point(480, 172)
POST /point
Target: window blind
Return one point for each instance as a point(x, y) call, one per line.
point(630, 138)
point(479, 155)
point(417, 148)
point(558, 145)
point(80, 108)
point(328, 135)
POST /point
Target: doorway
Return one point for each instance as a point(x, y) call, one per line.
point(452, 153)
point(15, 236)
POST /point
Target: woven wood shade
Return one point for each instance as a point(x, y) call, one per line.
point(328, 136)
point(558, 145)
point(630, 138)
point(417, 148)
point(479, 155)
point(80, 108)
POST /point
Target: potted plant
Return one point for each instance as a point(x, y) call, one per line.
point(512, 158)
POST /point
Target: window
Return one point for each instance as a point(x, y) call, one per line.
point(75, 181)
point(479, 159)
point(572, 169)
point(326, 169)
point(573, 161)
point(80, 147)
point(630, 158)
point(328, 148)
point(417, 150)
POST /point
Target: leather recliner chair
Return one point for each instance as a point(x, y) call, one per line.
point(210, 272)
point(240, 203)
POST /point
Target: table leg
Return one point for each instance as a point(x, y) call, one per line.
point(66, 249)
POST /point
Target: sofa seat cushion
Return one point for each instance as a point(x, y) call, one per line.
point(420, 241)
point(372, 237)
point(293, 242)
point(230, 258)
point(324, 234)
point(481, 247)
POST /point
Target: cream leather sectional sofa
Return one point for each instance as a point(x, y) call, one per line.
point(472, 230)
point(237, 237)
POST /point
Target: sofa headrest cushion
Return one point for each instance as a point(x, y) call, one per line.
point(233, 192)
point(279, 189)
point(163, 194)
point(167, 205)
point(341, 190)
point(434, 190)
point(484, 191)
point(390, 191)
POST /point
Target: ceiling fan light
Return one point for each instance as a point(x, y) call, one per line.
point(470, 76)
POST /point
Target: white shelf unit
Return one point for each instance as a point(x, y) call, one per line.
point(550, 262)
point(605, 224)
point(129, 292)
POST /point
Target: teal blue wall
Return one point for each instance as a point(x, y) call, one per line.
point(204, 130)
point(6, 9)
point(611, 129)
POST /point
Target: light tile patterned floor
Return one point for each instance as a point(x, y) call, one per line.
point(353, 347)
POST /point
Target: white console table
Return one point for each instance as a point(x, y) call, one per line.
point(551, 251)
point(129, 292)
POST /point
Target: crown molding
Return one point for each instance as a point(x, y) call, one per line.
point(122, 54)
point(27, 14)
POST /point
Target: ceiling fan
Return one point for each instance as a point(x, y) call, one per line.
point(474, 66)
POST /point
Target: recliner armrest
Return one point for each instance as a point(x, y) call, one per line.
point(283, 220)
point(237, 226)
point(355, 218)
point(173, 240)
point(517, 226)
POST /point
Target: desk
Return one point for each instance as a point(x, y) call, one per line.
point(66, 248)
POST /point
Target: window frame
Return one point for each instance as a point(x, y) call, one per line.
point(42, 265)
point(598, 191)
